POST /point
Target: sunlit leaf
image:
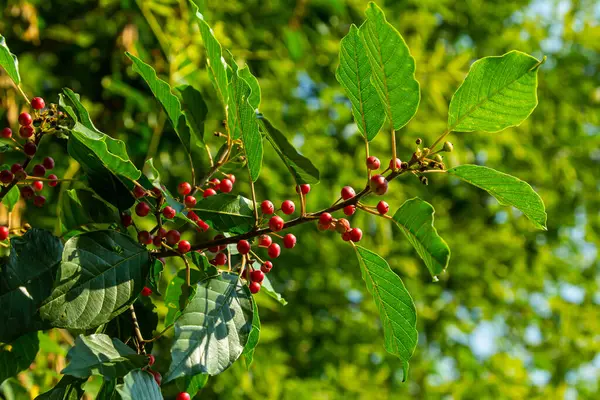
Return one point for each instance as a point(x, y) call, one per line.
point(139, 385)
point(9, 62)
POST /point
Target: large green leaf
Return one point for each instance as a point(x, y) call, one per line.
point(217, 67)
point(396, 308)
point(68, 388)
point(213, 329)
point(253, 338)
point(508, 190)
point(26, 278)
point(227, 212)
point(11, 198)
point(301, 168)
point(18, 355)
point(393, 67)
point(177, 294)
point(242, 122)
point(71, 99)
point(162, 92)
point(139, 385)
point(98, 354)
point(9, 62)
point(267, 287)
point(81, 207)
point(415, 217)
point(354, 74)
point(101, 274)
point(194, 109)
point(498, 92)
point(254, 98)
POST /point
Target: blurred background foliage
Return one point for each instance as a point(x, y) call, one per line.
point(516, 315)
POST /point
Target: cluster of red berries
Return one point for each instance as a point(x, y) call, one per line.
point(224, 185)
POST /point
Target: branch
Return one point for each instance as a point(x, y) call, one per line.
point(136, 329)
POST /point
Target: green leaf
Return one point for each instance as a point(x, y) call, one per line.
point(81, 207)
point(254, 98)
point(18, 355)
point(191, 383)
point(5, 147)
point(162, 92)
point(415, 217)
point(68, 388)
point(216, 65)
point(71, 99)
point(152, 173)
point(11, 198)
point(498, 92)
point(354, 74)
point(101, 274)
point(139, 385)
point(107, 390)
point(100, 355)
point(26, 279)
point(301, 168)
point(508, 190)
point(242, 122)
point(177, 294)
point(227, 213)
point(194, 109)
point(9, 62)
point(213, 329)
point(207, 270)
point(396, 308)
point(267, 287)
point(393, 67)
point(154, 276)
point(253, 338)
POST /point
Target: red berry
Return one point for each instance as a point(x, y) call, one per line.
point(190, 201)
point(373, 163)
point(231, 178)
point(6, 176)
point(325, 219)
point(25, 119)
point(26, 131)
point(348, 192)
point(3, 233)
point(146, 291)
point(30, 148)
point(257, 276)
point(243, 247)
point(276, 223)
point(184, 246)
point(157, 377)
point(142, 209)
point(226, 186)
point(207, 193)
point(288, 207)
point(346, 236)
point(383, 207)
point(349, 210)
point(304, 188)
point(356, 235)
point(169, 212)
point(161, 232)
point(267, 207)
point(184, 188)
point(21, 175)
point(173, 237)
point(379, 185)
point(6, 133)
point(53, 180)
point(264, 241)
point(16, 168)
point(27, 192)
point(39, 170)
point(48, 162)
point(193, 216)
point(266, 267)
point(126, 220)
point(274, 250)
point(157, 241)
point(39, 201)
point(37, 103)
point(398, 164)
point(214, 183)
point(151, 360)
point(183, 396)
point(156, 192)
point(254, 287)
point(38, 186)
point(139, 192)
point(203, 225)
point(144, 237)
point(216, 249)
point(289, 241)
point(343, 225)
point(221, 259)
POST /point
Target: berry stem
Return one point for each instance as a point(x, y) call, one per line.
point(393, 149)
point(23, 94)
point(155, 338)
point(439, 139)
point(138, 333)
point(257, 257)
point(365, 209)
point(188, 279)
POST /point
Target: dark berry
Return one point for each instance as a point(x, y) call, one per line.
point(184, 188)
point(221, 259)
point(3, 233)
point(25, 119)
point(126, 220)
point(6, 176)
point(38, 186)
point(348, 192)
point(26, 131)
point(216, 249)
point(254, 287)
point(53, 180)
point(257, 276)
point(142, 209)
point(48, 162)
point(27, 192)
point(373, 163)
point(30, 148)
point(184, 246)
point(16, 168)
point(379, 185)
point(208, 193)
point(39, 201)
point(264, 241)
point(289, 241)
point(6, 133)
point(173, 237)
point(288, 207)
point(146, 291)
point(243, 247)
point(267, 207)
point(349, 210)
point(305, 188)
point(355, 235)
point(144, 237)
point(161, 232)
point(274, 250)
point(37, 103)
point(383, 207)
point(276, 223)
point(157, 377)
point(157, 241)
point(193, 216)
point(169, 212)
point(39, 170)
point(346, 236)
point(190, 201)
point(226, 185)
point(139, 192)
point(325, 219)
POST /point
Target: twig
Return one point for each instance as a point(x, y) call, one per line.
point(136, 329)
